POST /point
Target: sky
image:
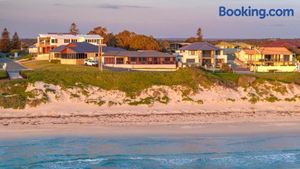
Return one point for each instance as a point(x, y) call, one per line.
point(159, 18)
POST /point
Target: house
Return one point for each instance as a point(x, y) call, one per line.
point(47, 42)
point(291, 44)
point(77, 52)
point(33, 49)
point(143, 59)
point(266, 59)
point(236, 45)
point(174, 46)
point(202, 54)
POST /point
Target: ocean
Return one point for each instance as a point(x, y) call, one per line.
point(265, 151)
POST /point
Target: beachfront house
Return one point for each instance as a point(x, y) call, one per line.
point(47, 42)
point(201, 54)
point(266, 59)
point(77, 52)
point(142, 59)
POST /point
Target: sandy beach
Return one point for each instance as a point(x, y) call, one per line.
point(217, 129)
point(219, 109)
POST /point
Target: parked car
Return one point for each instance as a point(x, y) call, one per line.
point(90, 62)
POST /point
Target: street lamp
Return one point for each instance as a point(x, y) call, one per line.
point(100, 66)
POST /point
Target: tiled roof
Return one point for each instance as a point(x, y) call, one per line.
point(251, 51)
point(200, 46)
point(274, 51)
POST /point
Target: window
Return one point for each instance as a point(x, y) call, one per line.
point(190, 60)
point(74, 40)
point(120, 60)
point(286, 58)
point(218, 52)
point(193, 52)
point(66, 40)
point(53, 40)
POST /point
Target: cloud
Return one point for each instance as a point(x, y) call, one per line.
point(103, 6)
point(113, 6)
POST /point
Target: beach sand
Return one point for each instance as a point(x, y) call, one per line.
point(216, 129)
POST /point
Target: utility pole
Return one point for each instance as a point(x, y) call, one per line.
point(100, 65)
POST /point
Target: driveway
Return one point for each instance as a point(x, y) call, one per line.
point(13, 68)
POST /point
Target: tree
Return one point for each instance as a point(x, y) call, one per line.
point(108, 38)
point(143, 42)
point(123, 39)
point(101, 31)
point(15, 42)
point(199, 37)
point(192, 40)
point(73, 29)
point(5, 41)
point(199, 34)
point(111, 40)
point(164, 46)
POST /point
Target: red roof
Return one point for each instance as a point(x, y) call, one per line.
point(251, 51)
point(274, 51)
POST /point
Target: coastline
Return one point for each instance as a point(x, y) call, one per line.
point(218, 124)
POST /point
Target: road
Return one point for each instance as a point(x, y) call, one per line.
point(13, 68)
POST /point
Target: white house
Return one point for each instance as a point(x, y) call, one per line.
point(202, 54)
point(47, 42)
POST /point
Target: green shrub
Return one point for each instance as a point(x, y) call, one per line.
point(271, 99)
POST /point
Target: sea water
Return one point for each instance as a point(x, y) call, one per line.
point(267, 151)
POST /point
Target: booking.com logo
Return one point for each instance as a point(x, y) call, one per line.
point(254, 12)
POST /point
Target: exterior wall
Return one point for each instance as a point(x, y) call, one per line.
point(187, 55)
point(42, 57)
point(201, 59)
point(242, 56)
point(32, 50)
point(273, 68)
point(72, 61)
point(45, 44)
point(256, 59)
point(143, 66)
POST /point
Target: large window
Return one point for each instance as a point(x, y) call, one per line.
point(120, 61)
point(109, 60)
point(74, 56)
point(286, 58)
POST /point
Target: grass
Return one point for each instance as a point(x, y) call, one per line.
point(280, 77)
point(26, 56)
point(3, 74)
point(129, 82)
point(13, 93)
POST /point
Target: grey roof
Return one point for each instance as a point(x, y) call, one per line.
point(200, 46)
point(84, 47)
point(108, 49)
point(230, 51)
point(58, 49)
point(33, 46)
point(145, 53)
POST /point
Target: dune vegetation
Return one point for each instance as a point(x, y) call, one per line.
point(13, 93)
